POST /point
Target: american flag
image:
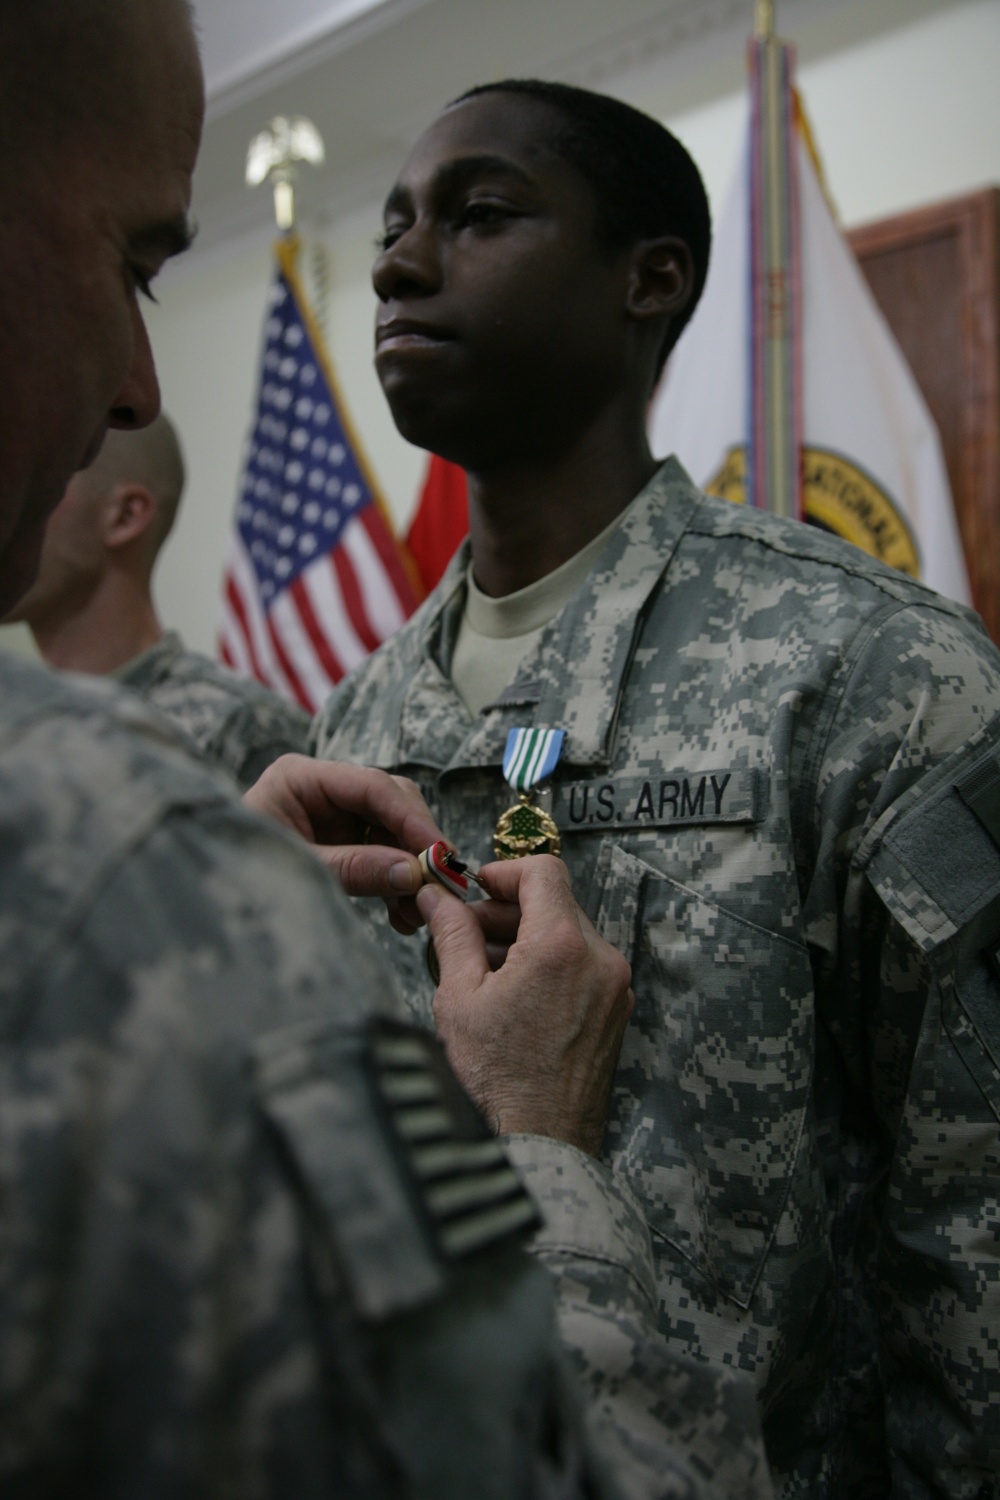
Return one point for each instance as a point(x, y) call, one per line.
point(316, 579)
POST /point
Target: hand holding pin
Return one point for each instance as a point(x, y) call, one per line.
point(442, 864)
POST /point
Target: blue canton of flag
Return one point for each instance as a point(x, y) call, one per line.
point(316, 579)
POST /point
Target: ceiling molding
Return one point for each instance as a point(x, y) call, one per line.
point(372, 84)
point(312, 48)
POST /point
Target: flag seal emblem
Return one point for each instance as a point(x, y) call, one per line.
point(838, 497)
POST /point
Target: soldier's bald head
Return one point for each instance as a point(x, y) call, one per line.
point(114, 518)
point(150, 457)
point(101, 105)
point(68, 67)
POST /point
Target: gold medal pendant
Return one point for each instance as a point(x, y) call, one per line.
point(525, 829)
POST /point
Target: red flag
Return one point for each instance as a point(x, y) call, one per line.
point(441, 520)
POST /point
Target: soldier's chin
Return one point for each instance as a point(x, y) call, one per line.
point(430, 425)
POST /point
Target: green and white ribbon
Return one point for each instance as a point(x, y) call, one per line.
point(531, 755)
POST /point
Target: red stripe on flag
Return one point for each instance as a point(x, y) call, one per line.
point(441, 519)
point(350, 593)
point(294, 681)
point(330, 663)
point(391, 561)
point(238, 608)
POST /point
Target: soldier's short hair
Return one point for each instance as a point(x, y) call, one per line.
point(644, 182)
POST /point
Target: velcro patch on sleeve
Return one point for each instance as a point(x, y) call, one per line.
point(980, 791)
point(470, 1193)
point(399, 1170)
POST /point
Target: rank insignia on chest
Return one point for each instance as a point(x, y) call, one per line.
point(530, 756)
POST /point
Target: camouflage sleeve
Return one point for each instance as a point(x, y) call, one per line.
point(247, 1246)
point(231, 721)
point(255, 746)
point(906, 905)
point(935, 865)
point(333, 713)
point(668, 1426)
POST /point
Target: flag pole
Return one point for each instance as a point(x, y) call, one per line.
point(274, 155)
point(763, 20)
point(774, 459)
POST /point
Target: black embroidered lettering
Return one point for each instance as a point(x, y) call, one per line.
point(718, 787)
point(668, 794)
point(574, 816)
point(605, 804)
point(693, 807)
point(644, 806)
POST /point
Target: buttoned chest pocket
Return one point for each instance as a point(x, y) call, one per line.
point(714, 1074)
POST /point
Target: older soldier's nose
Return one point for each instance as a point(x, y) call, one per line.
point(137, 402)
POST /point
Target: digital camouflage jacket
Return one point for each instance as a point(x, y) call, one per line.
point(232, 721)
point(777, 797)
point(254, 1241)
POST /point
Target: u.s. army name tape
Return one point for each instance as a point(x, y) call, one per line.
point(662, 800)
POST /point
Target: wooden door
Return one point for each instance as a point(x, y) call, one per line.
point(935, 273)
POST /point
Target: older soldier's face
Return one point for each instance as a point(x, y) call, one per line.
point(82, 236)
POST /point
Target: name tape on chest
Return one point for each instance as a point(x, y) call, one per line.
point(663, 801)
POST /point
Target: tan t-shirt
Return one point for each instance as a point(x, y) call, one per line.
point(496, 634)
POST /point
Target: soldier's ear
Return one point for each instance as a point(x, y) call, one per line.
point(129, 513)
point(661, 279)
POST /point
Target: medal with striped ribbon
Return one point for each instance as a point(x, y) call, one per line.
point(531, 755)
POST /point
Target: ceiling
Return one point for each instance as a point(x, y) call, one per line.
point(372, 73)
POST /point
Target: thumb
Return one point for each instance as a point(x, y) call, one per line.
point(371, 869)
point(458, 938)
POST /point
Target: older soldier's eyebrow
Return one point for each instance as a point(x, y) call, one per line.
point(459, 173)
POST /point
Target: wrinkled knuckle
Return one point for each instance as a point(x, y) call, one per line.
point(555, 868)
point(355, 872)
point(621, 971)
point(569, 942)
point(618, 977)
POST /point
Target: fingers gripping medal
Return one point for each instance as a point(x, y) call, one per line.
point(531, 755)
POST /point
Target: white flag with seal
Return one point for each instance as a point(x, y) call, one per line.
point(872, 467)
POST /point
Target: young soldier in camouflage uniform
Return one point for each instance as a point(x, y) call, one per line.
point(91, 608)
point(252, 1240)
point(777, 795)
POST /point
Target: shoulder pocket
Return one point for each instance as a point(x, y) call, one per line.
point(397, 1169)
point(714, 1074)
point(936, 868)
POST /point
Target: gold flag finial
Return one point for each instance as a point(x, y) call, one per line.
point(763, 20)
point(273, 157)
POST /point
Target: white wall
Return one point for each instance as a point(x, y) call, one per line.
point(909, 118)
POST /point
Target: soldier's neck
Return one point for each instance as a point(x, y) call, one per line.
point(116, 625)
point(527, 520)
